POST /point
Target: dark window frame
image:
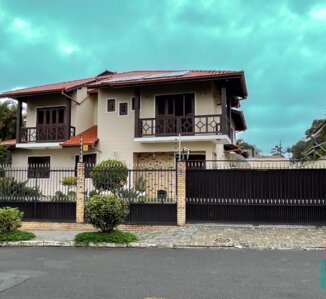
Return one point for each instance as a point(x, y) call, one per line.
point(111, 108)
point(38, 167)
point(123, 111)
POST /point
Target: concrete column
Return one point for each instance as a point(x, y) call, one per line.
point(181, 198)
point(80, 201)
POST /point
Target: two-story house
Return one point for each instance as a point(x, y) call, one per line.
point(145, 117)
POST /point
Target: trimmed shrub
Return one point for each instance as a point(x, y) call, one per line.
point(10, 219)
point(106, 211)
point(109, 175)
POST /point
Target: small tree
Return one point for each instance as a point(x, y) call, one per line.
point(278, 151)
point(109, 175)
point(106, 211)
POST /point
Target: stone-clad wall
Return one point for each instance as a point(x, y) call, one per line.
point(156, 180)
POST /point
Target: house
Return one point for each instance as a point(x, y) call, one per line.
point(140, 117)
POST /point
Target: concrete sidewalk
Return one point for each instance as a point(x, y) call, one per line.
point(201, 236)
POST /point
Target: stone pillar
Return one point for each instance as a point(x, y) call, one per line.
point(181, 196)
point(80, 201)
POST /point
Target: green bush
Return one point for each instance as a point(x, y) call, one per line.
point(15, 235)
point(114, 236)
point(11, 188)
point(2, 172)
point(140, 185)
point(109, 175)
point(10, 219)
point(106, 211)
point(4, 155)
point(69, 181)
point(60, 196)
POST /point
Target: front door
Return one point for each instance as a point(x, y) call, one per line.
point(174, 114)
point(50, 124)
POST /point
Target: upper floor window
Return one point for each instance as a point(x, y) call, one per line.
point(110, 105)
point(50, 116)
point(39, 167)
point(123, 108)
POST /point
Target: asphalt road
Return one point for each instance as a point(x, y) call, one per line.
point(158, 273)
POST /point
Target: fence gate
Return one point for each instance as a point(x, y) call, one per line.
point(256, 192)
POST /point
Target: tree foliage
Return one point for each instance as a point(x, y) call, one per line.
point(313, 146)
point(278, 151)
point(109, 175)
point(8, 111)
point(4, 155)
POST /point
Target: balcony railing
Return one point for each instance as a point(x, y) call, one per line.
point(184, 125)
point(51, 133)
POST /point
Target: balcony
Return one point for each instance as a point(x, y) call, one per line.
point(50, 133)
point(190, 128)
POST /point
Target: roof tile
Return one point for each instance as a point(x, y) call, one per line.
point(89, 138)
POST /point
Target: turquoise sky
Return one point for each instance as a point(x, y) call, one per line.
point(280, 44)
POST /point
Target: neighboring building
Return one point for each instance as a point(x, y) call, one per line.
point(137, 117)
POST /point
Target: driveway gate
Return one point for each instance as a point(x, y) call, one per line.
point(256, 192)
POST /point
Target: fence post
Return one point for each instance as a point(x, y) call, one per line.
point(80, 201)
point(181, 190)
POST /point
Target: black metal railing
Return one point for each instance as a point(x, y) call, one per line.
point(51, 133)
point(39, 191)
point(184, 125)
point(150, 192)
point(137, 185)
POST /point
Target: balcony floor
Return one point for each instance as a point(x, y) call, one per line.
point(218, 139)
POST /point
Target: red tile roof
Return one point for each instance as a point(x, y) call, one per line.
point(8, 143)
point(160, 76)
point(131, 78)
point(56, 87)
point(89, 138)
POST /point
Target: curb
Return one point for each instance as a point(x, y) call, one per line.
point(141, 245)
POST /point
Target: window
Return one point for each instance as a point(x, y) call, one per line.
point(38, 167)
point(123, 108)
point(110, 105)
point(89, 160)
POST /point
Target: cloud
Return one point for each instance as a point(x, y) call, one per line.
point(318, 13)
point(280, 45)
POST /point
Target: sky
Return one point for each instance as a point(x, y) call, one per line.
point(280, 44)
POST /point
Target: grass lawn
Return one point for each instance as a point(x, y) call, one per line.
point(114, 236)
point(16, 235)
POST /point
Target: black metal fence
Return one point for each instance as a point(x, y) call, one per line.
point(151, 192)
point(265, 191)
point(39, 191)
